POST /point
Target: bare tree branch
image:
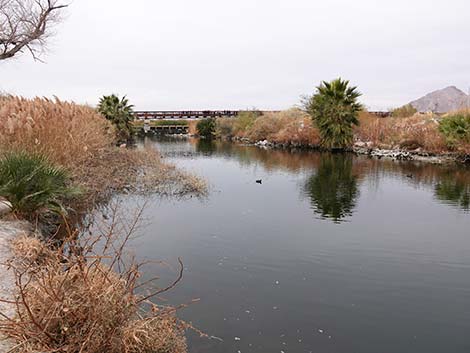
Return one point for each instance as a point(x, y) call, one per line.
point(26, 24)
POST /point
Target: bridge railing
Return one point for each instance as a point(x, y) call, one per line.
point(184, 114)
point(200, 114)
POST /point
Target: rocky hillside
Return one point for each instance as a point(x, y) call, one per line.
point(442, 101)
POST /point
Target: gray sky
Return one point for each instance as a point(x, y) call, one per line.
point(187, 54)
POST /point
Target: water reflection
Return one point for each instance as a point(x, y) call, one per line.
point(333, 189)
point(206, 146)
point(394, 273)
point(454, 191)
point(333, 185)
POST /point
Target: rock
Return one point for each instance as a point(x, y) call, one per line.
point(5, 207)
point(124, 145)
point(262, 143)
point(360, 144)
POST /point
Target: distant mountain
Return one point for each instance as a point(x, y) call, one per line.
point(442, 101)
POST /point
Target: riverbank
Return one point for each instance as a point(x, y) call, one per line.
point(414, 138)
point(361, 148)
point(60, 161)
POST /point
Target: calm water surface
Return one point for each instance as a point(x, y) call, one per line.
point(331, 253)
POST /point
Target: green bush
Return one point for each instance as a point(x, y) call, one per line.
point(120, 113)
point(334, 109)
point(244, 121)
point(224, 127)
point(456, 128)
point(31, 183)
point(404, 112)
point(206, 128)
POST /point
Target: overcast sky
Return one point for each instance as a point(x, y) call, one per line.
point(188, 54)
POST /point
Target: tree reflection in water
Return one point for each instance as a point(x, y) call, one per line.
point(206, 146)
point(333, 190)
point(454, 191)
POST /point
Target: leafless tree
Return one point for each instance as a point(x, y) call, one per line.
point(26, 24)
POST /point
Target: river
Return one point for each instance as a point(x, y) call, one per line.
point(329, 253)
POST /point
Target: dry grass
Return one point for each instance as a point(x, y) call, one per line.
point(418, 131)
point(292, 126)
point(68, 134)
point(295, 127)
point(298, 129)
point(81, 140)
point(137, 170)
point(82, 296)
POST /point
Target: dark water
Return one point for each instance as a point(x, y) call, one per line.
point(331, 253)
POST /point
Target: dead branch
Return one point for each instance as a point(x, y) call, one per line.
point(26, 25)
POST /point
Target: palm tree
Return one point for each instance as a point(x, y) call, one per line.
point(119, 112)
point(31, 183)
point(334, 109)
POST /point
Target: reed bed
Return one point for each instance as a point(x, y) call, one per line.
point(79, 139)
point(68, 134)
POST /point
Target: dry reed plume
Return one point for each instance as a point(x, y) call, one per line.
point(81, 140)
point(68, 134)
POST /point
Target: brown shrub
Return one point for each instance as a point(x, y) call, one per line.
point(289, 126)
point(82, 297)
point(244, 121)
point(225, 128)
point(300, 130)
point(265, 126)
point(417, 131)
